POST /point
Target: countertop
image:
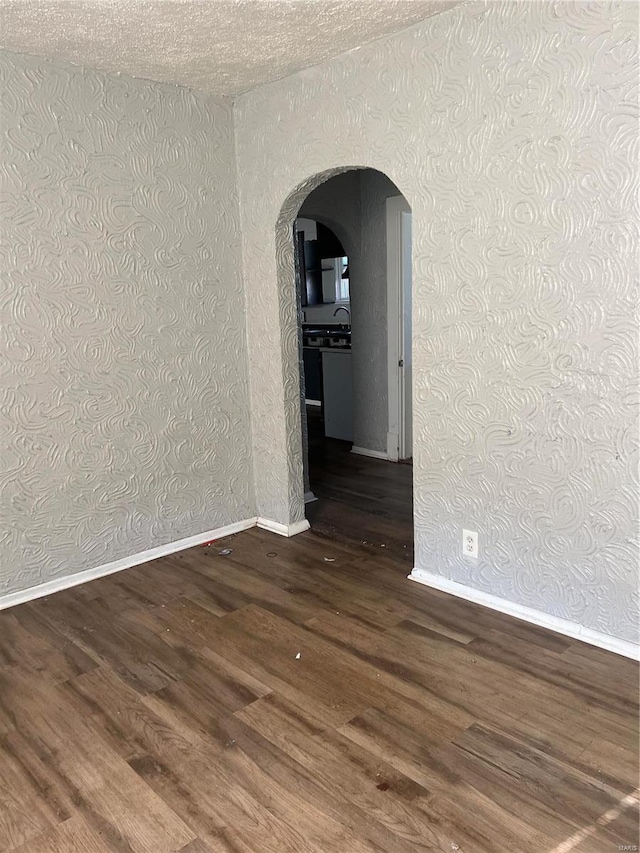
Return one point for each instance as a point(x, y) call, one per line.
point(331, 349)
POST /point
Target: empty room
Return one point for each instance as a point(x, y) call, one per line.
point(319, 452)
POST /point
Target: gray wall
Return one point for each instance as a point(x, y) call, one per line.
point(510, 129)
point(126, 401)
point(353, 205)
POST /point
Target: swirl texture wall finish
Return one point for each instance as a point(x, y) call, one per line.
point(511, 130)
point(123, 320)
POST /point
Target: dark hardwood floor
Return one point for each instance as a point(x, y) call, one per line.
point(301, 695)
point(363, 501)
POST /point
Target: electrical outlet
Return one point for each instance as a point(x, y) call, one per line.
point(470, 543)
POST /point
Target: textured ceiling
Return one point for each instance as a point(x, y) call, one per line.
point(221, 46)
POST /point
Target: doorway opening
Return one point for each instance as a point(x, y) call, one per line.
point(351, 238)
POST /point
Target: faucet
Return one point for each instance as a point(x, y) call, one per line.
point(343, 308)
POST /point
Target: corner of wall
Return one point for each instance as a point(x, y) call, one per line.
point(243, 277)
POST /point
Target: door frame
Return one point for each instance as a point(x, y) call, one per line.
point(399, 434)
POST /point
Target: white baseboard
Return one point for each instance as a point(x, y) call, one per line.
point(23, 595)
point(528, 614)
point(376, 454)
point(66, 582)
point(283, 529)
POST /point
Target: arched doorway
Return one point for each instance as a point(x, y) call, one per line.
point(358, 204)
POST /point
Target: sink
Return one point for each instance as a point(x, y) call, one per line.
point(334, 337)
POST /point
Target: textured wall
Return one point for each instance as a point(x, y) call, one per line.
point(122, 309)
point(511, 130)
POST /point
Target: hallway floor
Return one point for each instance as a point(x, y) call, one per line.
point(301, 696)
point(362, 501)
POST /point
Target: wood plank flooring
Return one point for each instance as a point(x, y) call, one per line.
point(363, 501)
point(301, 695)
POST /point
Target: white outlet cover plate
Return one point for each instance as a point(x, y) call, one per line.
point(470, 543)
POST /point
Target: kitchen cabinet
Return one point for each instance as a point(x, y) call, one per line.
point(337, 393)
point(312, 374)
point(309, 269)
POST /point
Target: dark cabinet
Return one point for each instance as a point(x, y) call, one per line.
point(312, 259)
point(314, 287)
point(312, 272)
point(312, 374)
point(308, 271)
